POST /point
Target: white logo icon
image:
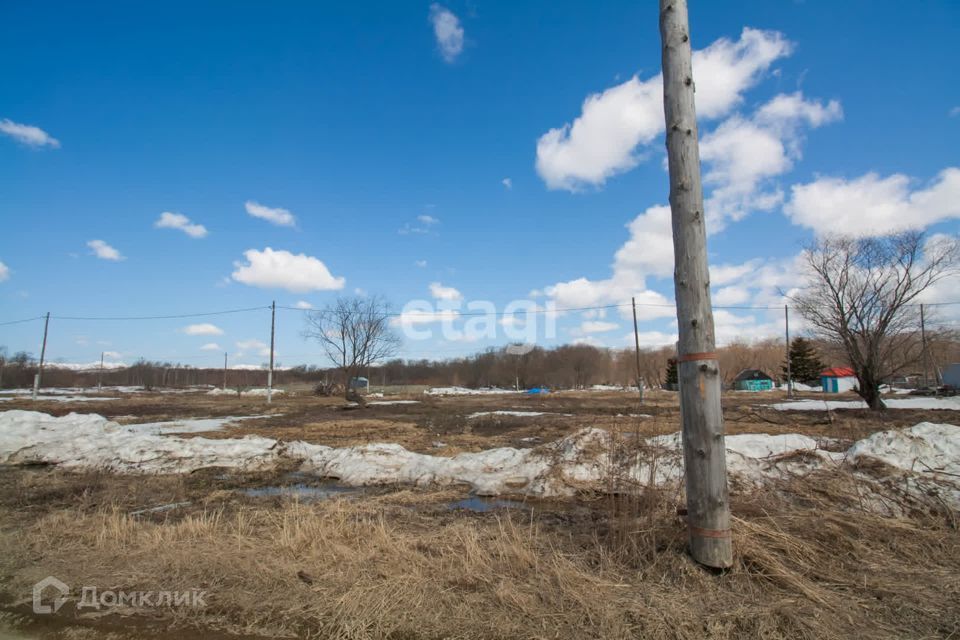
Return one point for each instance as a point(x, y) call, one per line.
point(61, 595)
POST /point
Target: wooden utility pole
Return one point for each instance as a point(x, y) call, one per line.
point(273, 318)
point(224, 370)
point(786, 325)
point(636, 344)
point(698, 371)
point(43, 354)
point(100, 375)
point(923, 345)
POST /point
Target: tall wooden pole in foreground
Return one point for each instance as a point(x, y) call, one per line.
point(708, 511)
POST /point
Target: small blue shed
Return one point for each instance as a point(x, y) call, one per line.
point(752, 380)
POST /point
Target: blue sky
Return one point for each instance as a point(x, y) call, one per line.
point(365, 120)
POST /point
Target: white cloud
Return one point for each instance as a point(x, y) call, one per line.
point(421, 263)
point(424, 225)
point(954, 112)
point(274, 215)
point(508, 183)
point(441, 292)
point(169, 220)
point(112, 355)
point(417, 316)
point(598, 326)
point(447, 31)
point(298, 273)
point(28, 134)
point(203, 329)
point(4, 272)
point(603, 141)
point(742, 153)
point(589, 341)
point(653, 339)
point(303, 304)
point(260, 348)
point(873, 205)
point(730, 296)
point(104, 251)
point(211, 346)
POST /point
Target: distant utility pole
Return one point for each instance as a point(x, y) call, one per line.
point(636, 342)
point(786, 325)
point(43, 353)
point(224, 370)
point(100, 375)
point(923, 345)
point(698, 371)
point(273, 318)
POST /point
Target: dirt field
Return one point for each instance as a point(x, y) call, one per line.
point(281, 554)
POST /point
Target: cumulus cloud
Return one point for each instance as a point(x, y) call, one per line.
point(421, 263)
point(441, 292)
point(202, 329)
point(605, 139)
point(298, 273)
point(4, 272)
point(597, 326)
point(275, 215)
point(741, 157)
point(744, 152)
point(104, 251)
point(28, 134)
point(303, 304)
point(447, 31)
point(258, 347)
point(412, 317)
point(170, 220)
point(874, 205)
point(424, 224)
point(211, 346)
point(508, 183)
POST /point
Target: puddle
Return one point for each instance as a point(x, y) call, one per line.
point(305, 492)
point(481, 504)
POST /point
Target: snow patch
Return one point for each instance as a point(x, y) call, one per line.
point(588, 459)
point(949, 403)
point(463, 391)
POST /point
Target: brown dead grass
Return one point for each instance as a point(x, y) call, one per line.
point(810, 564)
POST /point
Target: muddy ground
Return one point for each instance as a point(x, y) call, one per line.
point(285, 555)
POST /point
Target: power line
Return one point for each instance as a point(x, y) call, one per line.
point(452, 314)
point(20, 321)
point(170, 317)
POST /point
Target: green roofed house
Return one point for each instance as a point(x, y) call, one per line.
point(752, 380)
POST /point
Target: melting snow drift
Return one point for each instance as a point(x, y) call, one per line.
point(586, 459)
point(949, 403)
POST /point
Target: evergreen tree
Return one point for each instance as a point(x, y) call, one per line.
point(805, 364)
point(671, 372)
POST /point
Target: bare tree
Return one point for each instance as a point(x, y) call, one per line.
point(354, 333)
point(862, 295)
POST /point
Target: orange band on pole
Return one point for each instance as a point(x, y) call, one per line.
point(690, 357)
point(709, 533)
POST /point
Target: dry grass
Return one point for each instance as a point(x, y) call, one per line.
point(810, 564)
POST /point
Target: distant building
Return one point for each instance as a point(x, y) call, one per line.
point(951, 375)
point(752, 380)
point(838, 380)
